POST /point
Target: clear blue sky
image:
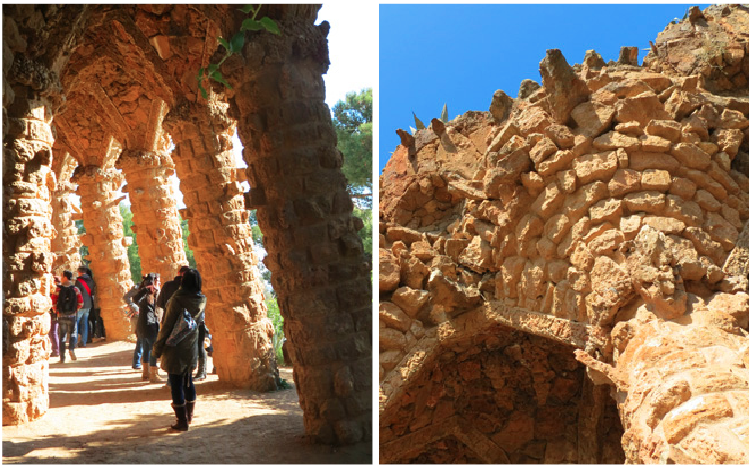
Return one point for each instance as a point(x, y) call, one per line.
point(460, 54)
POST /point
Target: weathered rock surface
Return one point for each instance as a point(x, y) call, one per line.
point(607, 211)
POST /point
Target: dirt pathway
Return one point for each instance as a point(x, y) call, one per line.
point(101, 412)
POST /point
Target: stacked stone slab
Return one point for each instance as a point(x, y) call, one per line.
point(314, 253)
point(108, 253)
point(156, 220)
point(66, 244)
point(608, 209)
point(28, 183)
point(220, 237)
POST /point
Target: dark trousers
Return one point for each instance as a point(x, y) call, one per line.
point(66, 330)
point(148, 356)
point(54, 338)
point(182, 388)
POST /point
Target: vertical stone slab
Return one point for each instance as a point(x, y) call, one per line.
point(66, 244)
point(156, 220)
point(220, 237)
point(27, 259)
point(107, 246)
point(319, 271)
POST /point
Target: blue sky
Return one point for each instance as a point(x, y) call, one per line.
point(460, 54)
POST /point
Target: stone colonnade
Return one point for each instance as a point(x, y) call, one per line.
point(156, 220)
point(107, 245)
point(221, 242)
point(305, 212)
point(316, 257)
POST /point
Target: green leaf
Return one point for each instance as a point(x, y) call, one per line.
point(224, 43)
point(237, 41)
point(217, 76)
point(270, 25)
point(249, 24)
point(445, 114)
point(418, 123)
point(203, 91)
point(246, 9)
point(212, 68)
point(200, 73)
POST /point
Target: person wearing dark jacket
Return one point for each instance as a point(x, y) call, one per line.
point(169, 288)
point(147, 330)
point(87, 287)
point(180, 360)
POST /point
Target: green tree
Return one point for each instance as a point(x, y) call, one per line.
point(278, 321)
point(353, 122)
point(186, 248)
point(83, 251)
point(366, 234)
point(133, 259)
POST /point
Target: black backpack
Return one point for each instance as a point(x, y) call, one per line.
point(67, 301)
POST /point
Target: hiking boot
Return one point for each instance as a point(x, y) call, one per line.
point(145, 373)
point(181, 415)
point(201, 374)
point(189, 406)
point(154, 375)
point(72, 354)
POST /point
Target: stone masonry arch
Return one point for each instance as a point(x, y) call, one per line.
point(110, 87)
point(607, 210)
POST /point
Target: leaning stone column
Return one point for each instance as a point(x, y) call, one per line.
point(156, 220)
point(27, 260)
point(319, 271)
point(67, 243)
point(221, 242)
point(107, 246)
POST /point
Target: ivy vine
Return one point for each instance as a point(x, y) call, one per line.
point(235, 45)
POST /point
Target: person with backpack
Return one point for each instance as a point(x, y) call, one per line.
point(87, 287)
point(67, 300)
point(179, 360)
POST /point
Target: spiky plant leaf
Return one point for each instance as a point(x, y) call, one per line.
point(418, 123)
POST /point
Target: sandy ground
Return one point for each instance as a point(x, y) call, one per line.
point(102, 413)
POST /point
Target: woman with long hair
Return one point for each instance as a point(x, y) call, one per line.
point(180, 360)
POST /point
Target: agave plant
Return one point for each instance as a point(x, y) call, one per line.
point(419, 125)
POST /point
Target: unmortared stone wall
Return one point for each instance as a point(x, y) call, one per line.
point(221, 242)
point(319, 272)
point(67, 243)
point(607, 209)
point(156, 221)
point(108, 248)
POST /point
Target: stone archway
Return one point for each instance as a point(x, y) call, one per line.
point(500, 395)
point(121, 70)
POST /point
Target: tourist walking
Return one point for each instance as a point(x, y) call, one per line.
point(67, 300)
point(147, 330)
point(180, 360)
point(87, 287)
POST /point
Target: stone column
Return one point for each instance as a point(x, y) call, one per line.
point(67, 243)
point(319, 271)
point(27, 261)
point(156, 220)
point(220, 237)
point(107, 246)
